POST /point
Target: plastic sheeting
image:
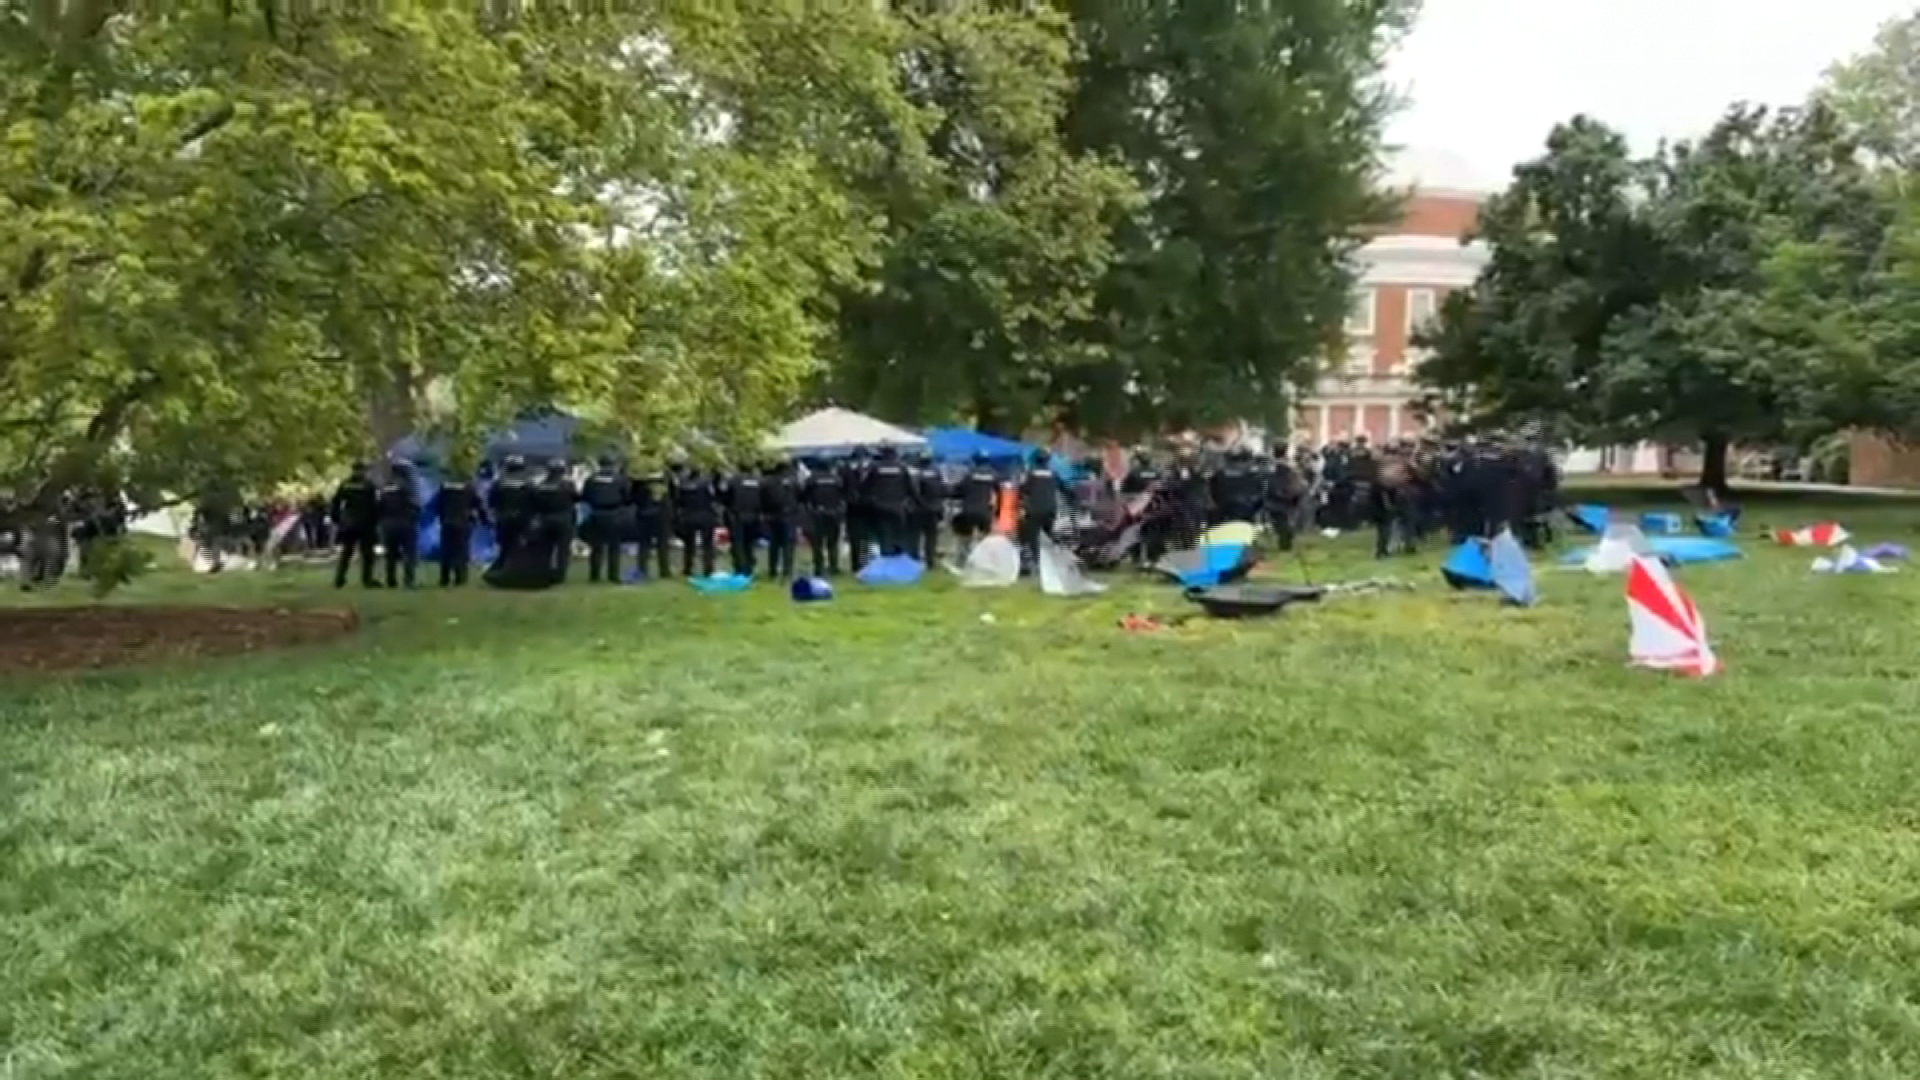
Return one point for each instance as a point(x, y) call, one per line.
point(892, 570)
point(1060, 573)
point(993, 563)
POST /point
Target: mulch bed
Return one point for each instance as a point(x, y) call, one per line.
point(90, 638)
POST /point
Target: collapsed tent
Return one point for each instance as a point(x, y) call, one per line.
point(1591, 517)
point(1060, 573)
point(529, 569)
point(1623, 543)
point(892, 570)
point(1498, 564)
point(993, 563)
point(1719, 525)
point(1661, 523)
point(1249, 601)
point(838, 432)
point(1849, 561)
point(1666, 631)
point(1209, 564)
point(1512, 573)
point(718, 584)
point(1681, 550)
point(1825, 534)
point(1615, 552)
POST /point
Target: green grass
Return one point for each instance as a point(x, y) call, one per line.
point(646, 834)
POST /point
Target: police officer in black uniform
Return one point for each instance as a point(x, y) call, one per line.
point(555, 500)
point(355, 511)
point(511, 502)
point(1236, 489)
point(607, 497)
point(399, 508)
point(1281, 496)
point(1039, 506)
point(861, 537)
point(889, 491)
point(695, 506)
point(651, 495)
point(1188, 497)
point(744, 507)
point(928, 510)
point(979, 492)
point(824, 496)
point(457, 507)
point(780, 503)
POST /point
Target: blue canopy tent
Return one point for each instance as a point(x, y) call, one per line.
point(959, 445)
point(537, 436)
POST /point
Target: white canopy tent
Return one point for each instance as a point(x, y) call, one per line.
point(836, 432)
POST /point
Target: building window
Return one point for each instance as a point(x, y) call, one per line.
point(1421, 305)
point(1360, 316)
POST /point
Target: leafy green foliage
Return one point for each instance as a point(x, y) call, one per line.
point(1683, 297)
point(107, 563)
point(1253, 130)
point(1878, 93)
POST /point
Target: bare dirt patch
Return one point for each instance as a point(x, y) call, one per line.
point(91, 638)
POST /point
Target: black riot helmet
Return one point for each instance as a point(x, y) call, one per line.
point(606, 461)
point(358, 470)
point(515, 462)
point(980, 458)
point(556, 466)
point(1042, 457)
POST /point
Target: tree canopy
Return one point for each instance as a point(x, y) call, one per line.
point(1632, 298)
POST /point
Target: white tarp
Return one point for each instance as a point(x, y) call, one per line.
point(993, 563)
point(1619, 546)
point(1060, 573)
point(839, 431)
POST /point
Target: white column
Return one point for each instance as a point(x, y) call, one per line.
point(1393, 421)
point(1326, 421)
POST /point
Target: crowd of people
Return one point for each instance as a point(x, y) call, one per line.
point(881, 502)
point(768, 517)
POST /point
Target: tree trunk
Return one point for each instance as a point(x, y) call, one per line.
point(1713, 463)
point(390, 410)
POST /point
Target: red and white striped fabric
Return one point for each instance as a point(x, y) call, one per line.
point(1668, 633)
point(1825, 534)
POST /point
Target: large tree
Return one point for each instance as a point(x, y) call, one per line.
point(1878, 92)
point(1254, 131)
point(1628, 298)
point(996, 234)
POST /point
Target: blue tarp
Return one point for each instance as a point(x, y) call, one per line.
point(1511, 572)
point(960, 445)
point(1676, 550)
point(1590, 516)
point(1692, 549)
point(1660, 523)
point(1719, 526)
point(891, 570)
point(1469, 566)
point(720, 583)
point(1208, 565)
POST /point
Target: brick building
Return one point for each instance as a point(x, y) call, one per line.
point(1404, 274)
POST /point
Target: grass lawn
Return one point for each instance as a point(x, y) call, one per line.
point(638, 833)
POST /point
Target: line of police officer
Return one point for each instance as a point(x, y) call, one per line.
point(873, 502)
point(899, 505)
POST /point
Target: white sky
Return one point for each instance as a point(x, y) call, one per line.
point(1489, 78)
